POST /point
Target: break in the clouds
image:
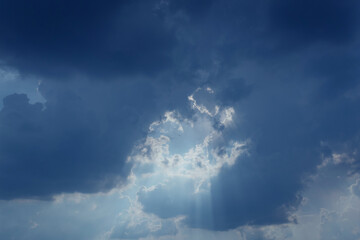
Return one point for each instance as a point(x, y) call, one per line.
point(179, 119)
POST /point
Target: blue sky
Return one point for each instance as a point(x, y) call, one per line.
point(178, 119)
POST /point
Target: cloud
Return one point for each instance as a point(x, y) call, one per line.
point(319, 20)
point(74, 142)
point(264, 187)
point(66, 217)
point(99, 40)
point(329, 210)
point(355, 188)
point(11, 82)
point(40, 147)
point(281, 73)
point(208, 184)
point(136, 225)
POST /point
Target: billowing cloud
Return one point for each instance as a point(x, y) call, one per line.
point(217, 115)
point(74, 142)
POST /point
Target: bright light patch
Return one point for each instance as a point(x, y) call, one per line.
point(182, 153)
point(204, 153)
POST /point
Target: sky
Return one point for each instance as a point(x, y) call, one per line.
point(179, 119)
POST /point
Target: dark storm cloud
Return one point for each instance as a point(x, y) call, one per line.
point(102, 40)
point(76, 142)
point(319, 20)
point(235, 31)
point(301, 90)
point(98, 39)
point(55, 150)
point(338, 73)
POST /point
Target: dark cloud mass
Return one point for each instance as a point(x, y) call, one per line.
point(63, 148)
point(60, 38)
point(76, 142)
point(317, 20)
point(290, 69)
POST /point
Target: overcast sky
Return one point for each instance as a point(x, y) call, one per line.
point(180, 119)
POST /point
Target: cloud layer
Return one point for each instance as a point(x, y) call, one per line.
point(260, 100)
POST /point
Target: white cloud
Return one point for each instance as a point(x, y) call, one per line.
point(202, 159)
